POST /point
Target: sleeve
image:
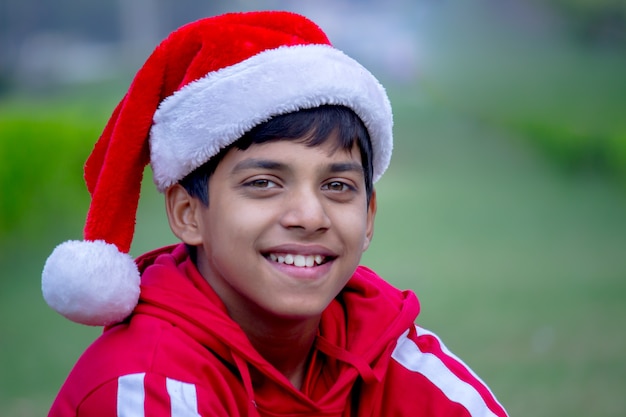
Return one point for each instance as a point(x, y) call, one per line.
point(424, 354)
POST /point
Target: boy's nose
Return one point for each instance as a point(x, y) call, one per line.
point(305, 210)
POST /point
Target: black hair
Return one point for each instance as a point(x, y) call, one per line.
point(312, 126)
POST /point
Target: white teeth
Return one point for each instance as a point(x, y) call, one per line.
point(297, 260)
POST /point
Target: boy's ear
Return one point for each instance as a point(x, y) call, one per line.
point(182, 212)
point(371, 215)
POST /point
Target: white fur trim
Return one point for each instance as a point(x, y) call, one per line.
point(194, 123)
point(91, 282)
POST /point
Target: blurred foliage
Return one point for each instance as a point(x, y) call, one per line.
point(602, 21)
point(580, 151)
point(565, 97)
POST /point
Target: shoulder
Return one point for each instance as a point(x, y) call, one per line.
point(149, 364)
point(141, 359)
point(147, 393)
point(422, 356)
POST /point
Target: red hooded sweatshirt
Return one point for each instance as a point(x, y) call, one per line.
point(180, 355)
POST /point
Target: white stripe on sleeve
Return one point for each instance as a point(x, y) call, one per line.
point(183, 398)
point(130, 395)
point(407, 353)
point(444, 349)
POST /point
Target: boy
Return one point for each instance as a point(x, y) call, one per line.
point(266, 142)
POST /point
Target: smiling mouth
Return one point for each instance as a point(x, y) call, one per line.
point(302, 261)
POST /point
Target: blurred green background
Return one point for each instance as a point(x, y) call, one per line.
point(504, 207)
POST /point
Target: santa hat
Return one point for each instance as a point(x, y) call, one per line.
point(201, 89)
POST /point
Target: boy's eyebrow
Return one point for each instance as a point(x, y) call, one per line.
point(346, 167)
point(256, 163)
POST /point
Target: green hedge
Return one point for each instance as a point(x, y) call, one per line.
point(42, 154)
point(579, 151)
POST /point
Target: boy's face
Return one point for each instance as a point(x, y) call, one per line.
point(285, 228)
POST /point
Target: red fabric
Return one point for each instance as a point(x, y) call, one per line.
point(180, 350)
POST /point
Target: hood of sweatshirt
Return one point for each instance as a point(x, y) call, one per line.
point(357, 333)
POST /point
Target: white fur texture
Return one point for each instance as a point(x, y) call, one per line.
point(91, 282)
point(194, 123)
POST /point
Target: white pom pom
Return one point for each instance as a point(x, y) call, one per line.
point(91, 283)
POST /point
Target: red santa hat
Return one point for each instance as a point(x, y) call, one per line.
point(202, 88)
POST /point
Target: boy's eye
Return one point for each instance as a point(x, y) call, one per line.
point(337, 186)
point(262, 183)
